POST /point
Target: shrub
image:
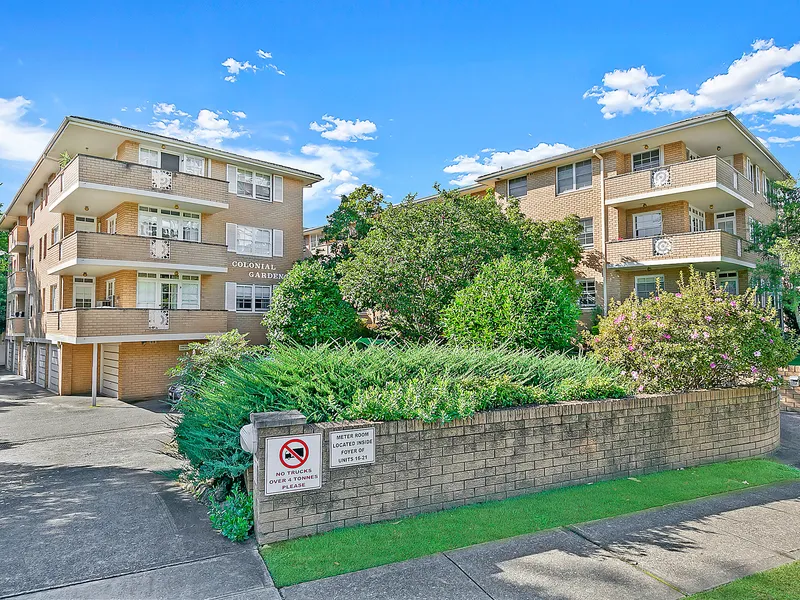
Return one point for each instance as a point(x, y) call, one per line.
point(233, 517)
point(308, 308)
point(699, 338)
point(328, 383)
point(516, 303)
point(217, 352)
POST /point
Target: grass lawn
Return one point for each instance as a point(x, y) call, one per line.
point(355, 548)
point(782, 583)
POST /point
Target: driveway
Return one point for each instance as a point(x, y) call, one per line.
point(88, 508)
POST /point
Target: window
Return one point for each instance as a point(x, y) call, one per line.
point(253, 298)
point(111, 224)
point(588, 289)
point(244, 298)
point(170, 162)
point(649, 284)
point(83, 292)
point(518, 187)
point(253, 185)
point(697, 220)
point(691, 154)
point(85, 224)
point(758, 179)
point(586, 236)
point(725, 222)
point(748, 168)
point(55, 235)
point(648, 159)
point(577, 176)
point(167, 291)
point(729, 282)
point(53, 298)
point(169, 224)
point(111, 288)
point(148, 157)
point(647, 224)
point(193, 165)
point(751, 228)
point(765, 184)
point(313, 241)
point(253, 241)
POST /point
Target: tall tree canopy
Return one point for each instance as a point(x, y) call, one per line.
point(352, 220)
point(418, 255)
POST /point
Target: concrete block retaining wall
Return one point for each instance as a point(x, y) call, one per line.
point(422, 467)
point(790, 396)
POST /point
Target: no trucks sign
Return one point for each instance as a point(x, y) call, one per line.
point(293, 464)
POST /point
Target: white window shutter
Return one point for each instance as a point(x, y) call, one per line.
point(232, 179)
point(277, 188)
point(277, 242)
point(230, 236)
point(230, 296)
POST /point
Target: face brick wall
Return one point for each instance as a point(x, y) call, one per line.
point(143, 366)
point(423, 467)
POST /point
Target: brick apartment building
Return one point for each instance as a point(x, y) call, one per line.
point(650, 205)
point(140, 244)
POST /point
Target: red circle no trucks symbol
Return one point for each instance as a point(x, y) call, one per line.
point(293, 454)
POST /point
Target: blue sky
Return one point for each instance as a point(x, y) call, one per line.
point(399, 95)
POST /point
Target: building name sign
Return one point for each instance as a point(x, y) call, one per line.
point(351, 447)
point(258, 270)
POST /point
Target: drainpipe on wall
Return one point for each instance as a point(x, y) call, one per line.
point(603, 218)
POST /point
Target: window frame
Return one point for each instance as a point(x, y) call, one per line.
point(696, 213)
point(648, 151)
point(725, 277)
point(524, 178)
point(574, 169)
point(254, 174)
point(252, 297)
point(111, 221)
point(583, 294)
point(656, 276)
point(160, 278)
point(182, 156)
point(583, 235)
point(253, 230)
point(54, 297)
point(85, 219)
point(726, 219)
point(636, 227)
point(160, 214)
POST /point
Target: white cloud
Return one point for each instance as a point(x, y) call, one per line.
point(276, 69)
point(238, 114)
point(124, 109)
point(468, 168)
point(208, 128)
point(786, 119)
point(162, 108)
point(19, 140)
point(754, 83)
point(344, 131)
point(235, 67)
point(264, 55)
point(783, 140)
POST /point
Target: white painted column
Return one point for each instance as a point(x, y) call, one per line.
point(94, 374)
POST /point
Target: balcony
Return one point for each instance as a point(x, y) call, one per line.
point(15, 326)
point(100, 184)
point(706, 249)
point(83, 325)
point(704, 181)
point(18, 282)
point(18, 240)
point(101, 253)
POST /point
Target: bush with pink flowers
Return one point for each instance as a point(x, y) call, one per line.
point(701, 337)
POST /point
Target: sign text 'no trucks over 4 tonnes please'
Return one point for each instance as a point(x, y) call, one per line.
point(351, 447)
point(293, 464)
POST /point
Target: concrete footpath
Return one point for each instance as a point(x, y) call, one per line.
point(664, 553)
point(88, 509)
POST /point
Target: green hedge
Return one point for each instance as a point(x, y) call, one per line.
point(380, 382)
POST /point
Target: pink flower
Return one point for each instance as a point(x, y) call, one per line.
point(631, 348)
point(706, 335)
point(606, 358)
point(619, 319)
point(640, 388)
point(753, 370)
point(757, 353)
point(770, 379)
point(667, 336)
point(678, 296)
point(635, 375)
point(771, 341)
point(717, 299)
point(725, 357)
point(694, 335)
point(713, 365)
point(708, 318)
point(648, 317)
point(733, 303)
point(630, 337)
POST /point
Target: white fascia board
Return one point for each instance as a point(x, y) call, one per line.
point(133, 264)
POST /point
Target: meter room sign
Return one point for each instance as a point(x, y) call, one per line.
point(293, 464)
point(351, 447)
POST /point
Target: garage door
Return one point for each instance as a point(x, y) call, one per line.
point(109, 364)
point(41, 364)
point(53, 383)
point(14, 358)
point(24, 360)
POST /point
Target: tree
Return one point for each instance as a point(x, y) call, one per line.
point(416, 257)
point(352, 220)
point(515, 303)
point(308, 308)
point(778, 243)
